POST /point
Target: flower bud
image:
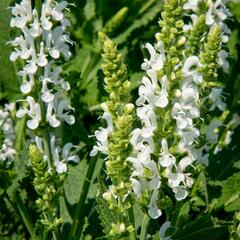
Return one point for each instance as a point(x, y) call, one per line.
point(128, 108)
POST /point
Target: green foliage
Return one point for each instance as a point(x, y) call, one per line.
point(230, 194)
point(106, 215)
point(204, 227)
point(130, 24)
point(9, 80)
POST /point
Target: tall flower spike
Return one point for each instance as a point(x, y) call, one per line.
point(209, 57)
point(44, 185)
point(162, 71)
point(114, 140)
point(196, 36)
point(44, 41)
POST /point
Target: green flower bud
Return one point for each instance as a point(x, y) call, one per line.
point(209, 57)
point(128, 108)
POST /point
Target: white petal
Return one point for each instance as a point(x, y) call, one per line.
point(184, 162)
point(14, 56)
point(33, 124)
point(101, 135)
point(26, 87)
point(66, 150)
point(180, 193)
point(161, 100)
point(54, 53)
point(47, 97)
point(94, 151)
point(20, 113)
point(136, 185)
point(70, 119)
point(53, 121)
point(61, 167)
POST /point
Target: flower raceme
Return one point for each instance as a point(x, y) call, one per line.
point(172, 95)
point(43, 41)
point(170, 107)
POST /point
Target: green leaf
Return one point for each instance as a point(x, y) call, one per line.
point(106, 215)
point(142, 21)
point(203, 227)
point(8, 76)
point(230, 197)
point(20, 172)
point(183, 214)
point(74, 181)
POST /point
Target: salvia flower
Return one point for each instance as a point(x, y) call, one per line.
point(175, 92)
point(114, 140)
point(7, 134)
point(61, 156)
point(43, 41)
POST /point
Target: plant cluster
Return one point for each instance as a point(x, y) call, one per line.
point(161, 161)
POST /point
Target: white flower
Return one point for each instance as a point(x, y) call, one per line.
point(201, 154)
point(166, 159)
point(42, 60)
point(34, 112)
point(66, 156)
point(22, 14)
point(35, 29)
point(57, 11)
point(51, 116)
point(191, 5)
point(148, 117)
point(217, 12)
point(154, 212)
point(157, 57)
point(161, 100)
point(7, 149)
point(180, 193)
point(211, 131)
point(146, 91)
point(155, 181)
point(223, 55)
point(102, 136)
point(217, 99)
point(60, 156)
point(63, 109)
point(26, 85)
point(163, 229)
point(25, 50)
point(188, 136)
point(37, 55)
point(190, 69)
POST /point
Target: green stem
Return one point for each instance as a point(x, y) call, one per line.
point(144, 227)
point(76, 228)
point(131, 216)
point(38, 6)
point(20, 134)
point(47, 147)
point(25, 215)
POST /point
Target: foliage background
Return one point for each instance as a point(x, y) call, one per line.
point(215, 198)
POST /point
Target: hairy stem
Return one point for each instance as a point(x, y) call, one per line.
point(144, 227)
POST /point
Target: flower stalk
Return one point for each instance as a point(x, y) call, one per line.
point(114, 140)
